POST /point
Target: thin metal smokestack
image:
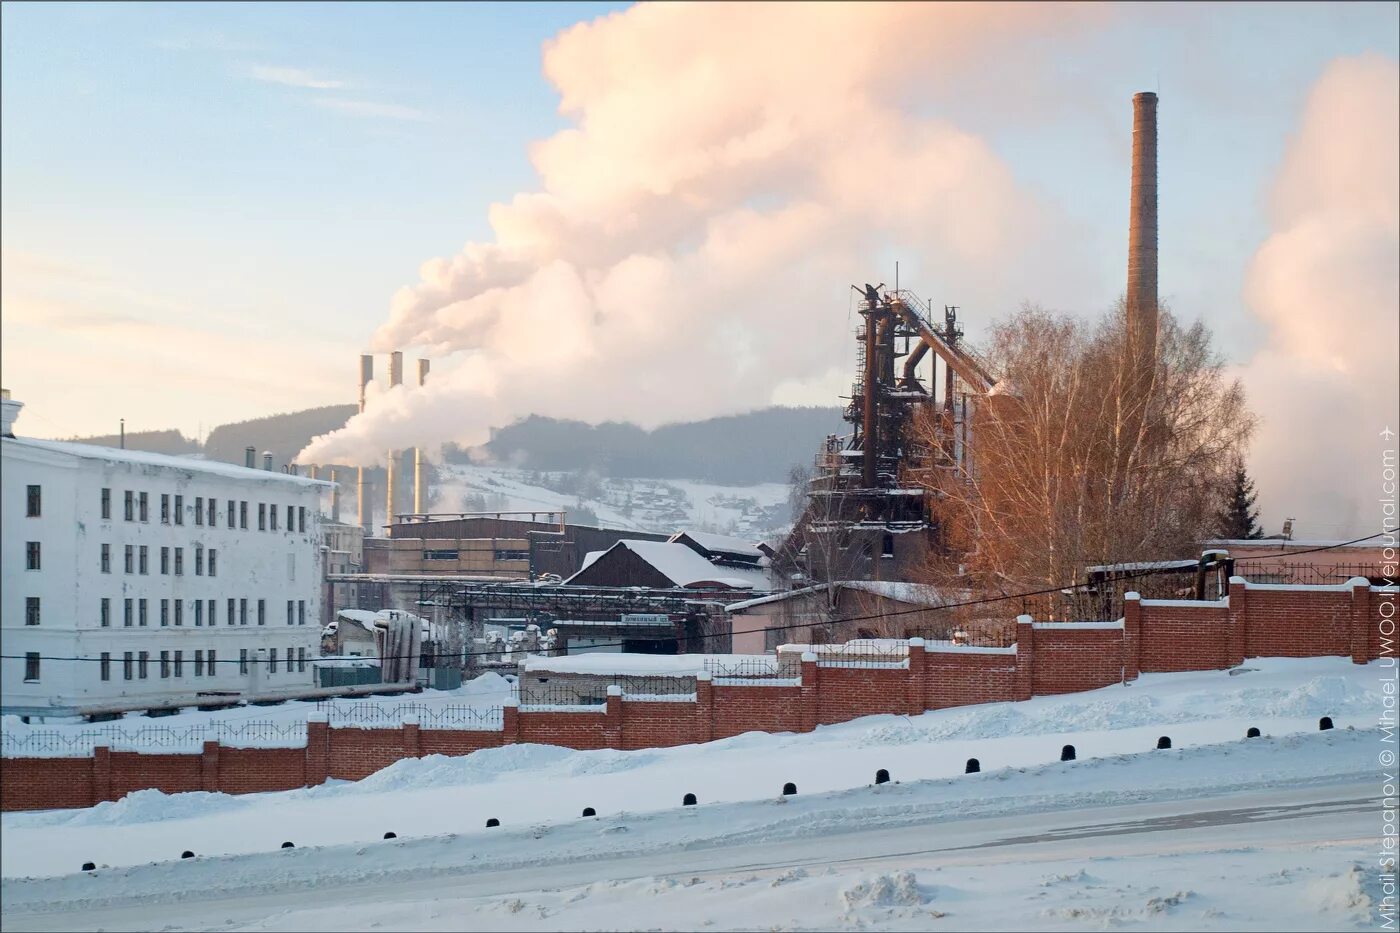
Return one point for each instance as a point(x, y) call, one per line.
point(420, 491)
point(392, 470)
point(335, 498)
point(361, 504)
point(1142, 230)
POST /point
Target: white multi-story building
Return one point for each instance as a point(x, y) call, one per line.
point(134, 580)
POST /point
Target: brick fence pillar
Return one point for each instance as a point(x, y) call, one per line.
point(1361, 620)
point(916, 684)
point(510, 722)
point(1132, 636)
point(809, 691)
point(1025, 657)
point(101, 774)
point(612, 727)
point(209, 767)
point(1239, 622)
point(412, 747)
point(318, 748)
point(705, 706)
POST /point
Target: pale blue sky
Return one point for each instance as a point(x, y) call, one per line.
point(259, 178)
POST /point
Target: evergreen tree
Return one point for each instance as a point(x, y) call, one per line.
point(1240, 519)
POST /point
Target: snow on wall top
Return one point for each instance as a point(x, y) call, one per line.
point(642, 665)
point(167, 461)
point(683, 566)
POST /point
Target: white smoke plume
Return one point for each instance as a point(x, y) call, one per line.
point(729, 170)
point(1327, 283)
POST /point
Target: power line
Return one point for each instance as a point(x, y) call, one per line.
point(796, 626)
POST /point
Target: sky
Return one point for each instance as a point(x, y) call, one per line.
point(654, 213)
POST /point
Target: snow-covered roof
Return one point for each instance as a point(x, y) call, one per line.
point(1284, 543)
point(1146, 565)
point(369, 619)
point(721, 544)
point(683, 566)
point(168, 461)
point(916, 594)
point(773, 598)
point(642, 665)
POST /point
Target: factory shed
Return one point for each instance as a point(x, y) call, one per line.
point(722, 548)
point(664, 565)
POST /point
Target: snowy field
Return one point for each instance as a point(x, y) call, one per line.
point(1125, 835)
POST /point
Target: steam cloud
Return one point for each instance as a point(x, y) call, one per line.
point(1326, 282)
point(729, 170)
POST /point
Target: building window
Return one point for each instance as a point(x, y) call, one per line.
point(165, 612)
point(143, 503)
point(290, 611)
point(301, 660)
point(165, 560)
point(440, 554)
point(106, 558)
point(210, 519)
point(31, 555)
point(231, 511)
point(130, 559)
point(179, 663)
point(272, 660)
point(144, 555)
point(143, 662)
point(887, 546)
point(179, 612)
point(301, 519)
point(179, 562)
point(243, 514)
point(165, 508)
point(199, 613)
point(106, 615)
point(31, 658)
point(126, 613)
point(243, 612)
point(198, 663)
point(106, 665)
point(31, 610)
point(126, 665)
point(164, 664)
point(199, 510)
point(291, 512)
point(262, 612)
point(243, 660)
point(130, 506)
point(262, 516)
point(179, 510)
point(107, 502)
point(34, 502)
point(289, 660)
point(211, 612)
point(141, 613)
point(199, 560)
point(213, 562)
point(301, 612)
point(212, 662)
point(512, 554)
point(230, 611)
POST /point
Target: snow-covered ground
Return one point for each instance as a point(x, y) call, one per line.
point(665, 506)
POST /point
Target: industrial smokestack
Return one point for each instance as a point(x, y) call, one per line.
point(1142, 230)
point(335, 499)
point(420, 491)
point(250, 457)
point(361, 506)
point(392, 470)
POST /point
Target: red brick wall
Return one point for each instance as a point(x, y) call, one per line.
point(1067, 660)
point(846, 693)
point(1258, 622)
point(740, 709)
point(45, 783)
point(963, 677)
point(1184, 638)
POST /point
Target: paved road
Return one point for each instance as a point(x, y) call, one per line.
point(1340, 813)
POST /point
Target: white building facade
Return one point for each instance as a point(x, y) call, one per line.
point(134, 580)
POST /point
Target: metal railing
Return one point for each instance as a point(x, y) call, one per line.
point(1275, 571)
point(582, 694)
point(453, 716)
point(167, 738)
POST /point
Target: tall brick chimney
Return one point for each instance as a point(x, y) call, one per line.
point(1142, 229)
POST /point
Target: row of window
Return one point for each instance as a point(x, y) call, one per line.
point(137, 559)
point(135, 612)
point(136, 664)
point(136, 506)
